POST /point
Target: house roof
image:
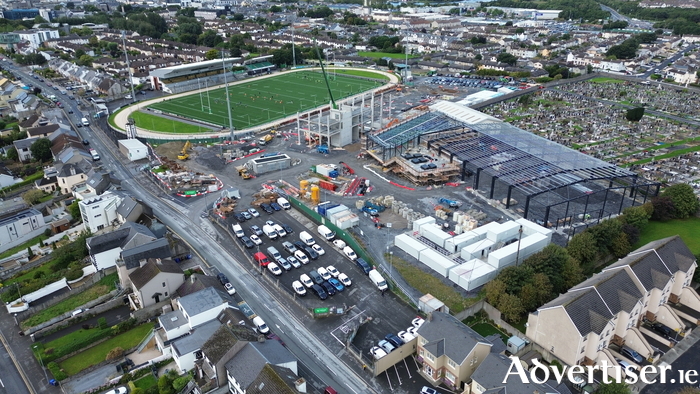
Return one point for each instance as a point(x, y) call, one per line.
point(491, 372)
point(196, 282)
point(158, 248)
point(448, 336)
point(273, 379)
point(144, 274)
point(647, 267)
point(99, 181)
point(616, 288)
point(107, 241)
point(24, 143)
point(673, 252)
point(197, 338)
point(586, 309)
point(127, 206)
point(41, 130)
point(224, 338)
point(172, 320)
point(203, 300)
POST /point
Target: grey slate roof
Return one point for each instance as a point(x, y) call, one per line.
point(156, 249)
point(203, 300)
point(586, 309)
point(447, 335)
point(673, 252)
point(108, 241)
point(224, 339)
point(198, 337)
point(246, 365)
point(99, 181)
point(196, 282)
point(616, 288)
point(127, 205)
point(647, 267)
point(24, 143)
point(144, 274)
point(273, 380)
point(495, 368)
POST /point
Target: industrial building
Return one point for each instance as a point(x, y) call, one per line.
point(263, 165)
point(474, 257)
point(133, 149)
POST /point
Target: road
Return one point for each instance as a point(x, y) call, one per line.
point(633, 23)
point(10, 380)
point(305, 346)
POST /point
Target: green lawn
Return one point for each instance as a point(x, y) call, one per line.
point(45, 269)
point(152, 122)
point(377, 55)
point(33, 241)
point(688, 229)
point(97, 354)
point(486, 329)
point(260, 101)
point(606, 80)
point(146, 382)
point(104, 286)
point(359, 73)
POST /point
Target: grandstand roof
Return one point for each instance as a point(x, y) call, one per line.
point(462, 113)
point(258, 59)
point(428, 123)
point(194, 68)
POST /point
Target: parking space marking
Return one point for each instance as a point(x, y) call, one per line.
point(407, 369)
point(398, 377)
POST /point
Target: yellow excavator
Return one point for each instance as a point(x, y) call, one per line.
point(243, 172)
point(183, 153)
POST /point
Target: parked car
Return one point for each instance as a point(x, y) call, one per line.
point(625, 365)
point(246, 215)
point(662, 330)
point(627, 352)
point(344, 280)
point(284, 263)
point(305, 280)
point(287, 228)
point(275, 269)
point(256, 240)
point(229, 288)
point(406, 336)
point(222, 278)
point(417, 322)
point(336, 283)
point(289, 247)
point(350, 253)
point(239, 217)
point(118, 390)
point(331, 270)
point(254, 212)
point(324, 273)
point(394, 339)
point(256, 230)
point(428, 390)
point(329, 288)
point(301, 257)
point(299, 288)
point(318, 249)
point(275, 206)
point(310, 252)
point(386, 346)
point(377, 352)
point(293, 261)
point(363, 266)
point(316, 277)
point(266, 207)
point(339, 243)
point(320, 293)
point(246, 242)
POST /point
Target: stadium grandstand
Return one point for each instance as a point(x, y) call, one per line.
point(186, 77)
point(259, 65)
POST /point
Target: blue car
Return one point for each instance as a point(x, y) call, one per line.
point(336, 283)
point(275, 206)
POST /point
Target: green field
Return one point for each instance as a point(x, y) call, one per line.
point(606, 80)
point(378, 55)
point(152, 122)
point(260, 101)
point(688, 229)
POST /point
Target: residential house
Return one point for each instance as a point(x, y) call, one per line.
point(7, 178)
point(449, 351)
point(18, 227)
point(610, 308)
point(106, 249)
point(186, 350)
point(490, 375)
point(23, 149)
point(108, 209)
point(71, 174)
point(195, 283)
point(154, 281)
point(47, 184)
point(245, 367)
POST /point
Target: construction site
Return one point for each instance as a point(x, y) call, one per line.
point(175, 177)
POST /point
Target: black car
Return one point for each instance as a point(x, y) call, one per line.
point(329, 288)
point(78, 124)
point(316, 277)
point(363, 265)
point(287, 228)
point(664, 331)
point(222, 278)
point(318, 290)
point(300, 245)
point(246, 242)
point(266, 207)
point(239, 217)
point(394, 340)
point(310, 252)
point(86, 142)
point(275, 206)
point(256, 230)
point(70, 111)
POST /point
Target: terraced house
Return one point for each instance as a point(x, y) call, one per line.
point(593, 320)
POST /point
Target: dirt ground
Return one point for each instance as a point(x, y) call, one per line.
point(170, 149)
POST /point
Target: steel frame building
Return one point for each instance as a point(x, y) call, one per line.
point(559, 185)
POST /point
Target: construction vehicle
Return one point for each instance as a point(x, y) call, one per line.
point(322, 149)
point(243, 172)
point(376, 207)
point(450, 203)
point(370, 211)
point(264, 140)
point(183, 153)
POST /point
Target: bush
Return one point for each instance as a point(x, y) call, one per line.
point(125, 326)
point(74, 274)
point(114, 354)
point(56, 371)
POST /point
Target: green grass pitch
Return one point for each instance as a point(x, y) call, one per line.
point(261, 101)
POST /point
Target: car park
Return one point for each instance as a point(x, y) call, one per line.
point(253, 212)
point(256, 230)
point(229, 288)
point(386, 346)
point(275, 269)
point(274, 253)
point(300, 245)
point(284, 263)
point(246, 242)
point(363, 266)
point(299, 289)
point(331, 270)
point(289, 247)
point(318, 249)
point(406, 336)
point(329, 288)
point(239, 217)
point(394, 339)
point(324, 273)
point(293, 261)
point(344, 280)
point(336, 283)
point(377, 352)
point(350, 253)
point(320, 293)
point(301, 257)
point(280, 230)
point(266, 207)
point(255, 239)
point(222, 278)
point(305, 280)
point(270, 223)
point(316, 277)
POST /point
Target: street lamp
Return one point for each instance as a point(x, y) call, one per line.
point(391, 264)
point(41, 362)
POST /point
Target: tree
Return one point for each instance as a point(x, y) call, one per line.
point(85, 60)
point(620, 245)
point(663, 208)
point(165, 385)
point(507, 58)
point(550, 261)
point(605, 233)
point(12, 154)
point(41, 149)
point(74, 210)
point(212, 54)
point(614, 388)
point(536, 293)
point(30, 252)
point(685, 202)
point(635, 114)
point(93, 41)
point(494, 290)
point(571, 273)
point(138, 390)
point(637, 216)
point(511, 307)
point(33, 196)
point(115, 353)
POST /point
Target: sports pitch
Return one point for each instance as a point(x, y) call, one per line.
point(260, 101)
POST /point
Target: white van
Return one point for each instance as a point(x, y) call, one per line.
point(238, 230)
point(378, 280)
point(306, 238)
point(326, 232)
point(272, 251)
point(269, 231)
point(280, 230)
point(85, 122)
point(260, 325)
point(283, 203)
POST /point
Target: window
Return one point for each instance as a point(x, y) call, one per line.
point(166, 293)
point(585, 339)
point(423, 341)
point(450, 376)
point(474, 360)
point(98, 215)
point(163, 284)
point(583, 349)
point(451, 363)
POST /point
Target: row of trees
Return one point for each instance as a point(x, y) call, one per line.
point(628, 48)
point(541, 277)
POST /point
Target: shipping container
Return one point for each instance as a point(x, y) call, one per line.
point(479, 276)
point(409, 245)
point(327, 185)
point(457, 242)
point(528, 246)
point(481, 231)
point(530, 228)
point(504, 232)
point(458, 270)
point(435, 234)
point(322, 209)
point(347, 221)
point(325, 169)
point(339, 208)
point(477, 250)
point(422, 221)
point(263, 165)
point(437, 261)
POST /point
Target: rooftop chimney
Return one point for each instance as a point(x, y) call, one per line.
point(300, 385)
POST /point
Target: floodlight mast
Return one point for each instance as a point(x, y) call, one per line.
point(325, 77)
point(228, 99)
